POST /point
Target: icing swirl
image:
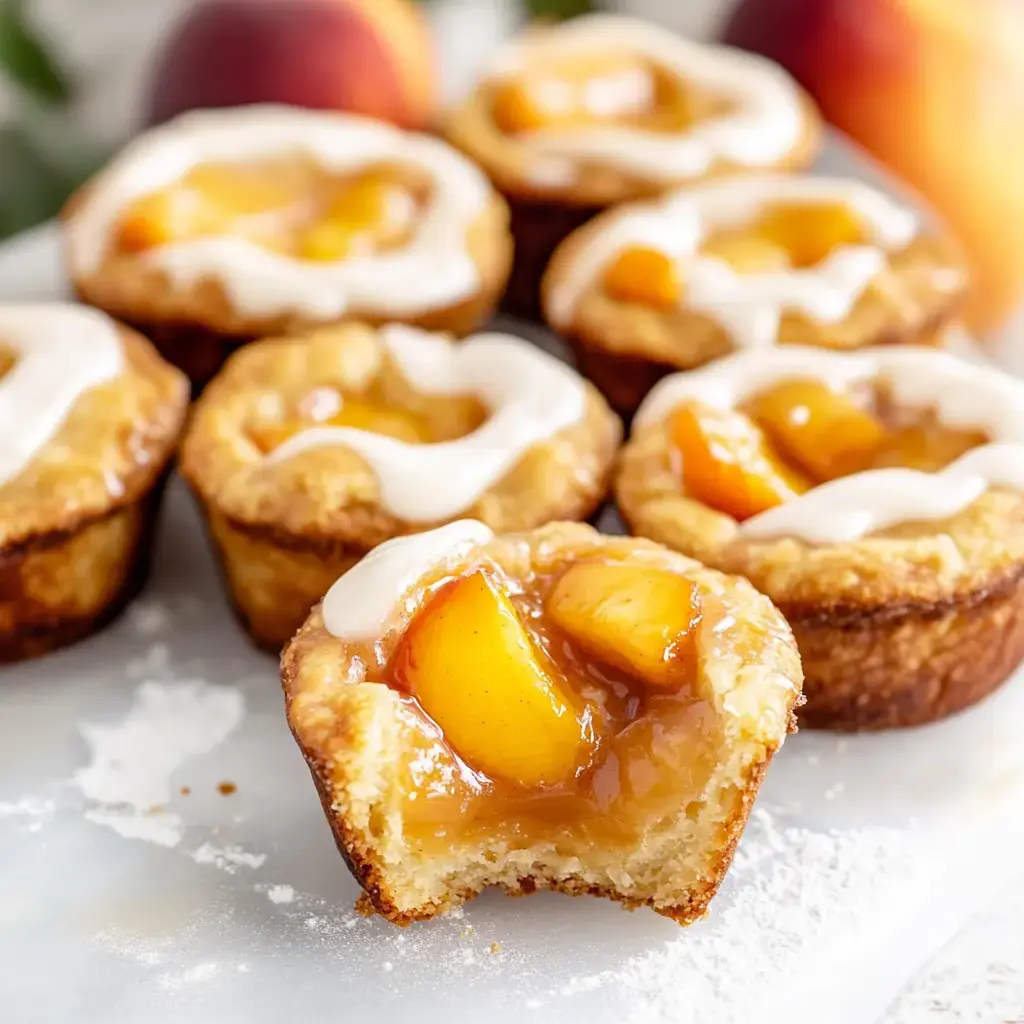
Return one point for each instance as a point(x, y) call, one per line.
point(963, 395)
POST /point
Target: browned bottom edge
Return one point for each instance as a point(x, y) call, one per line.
point(885, 672)
point(537, 230)
point(39, 634)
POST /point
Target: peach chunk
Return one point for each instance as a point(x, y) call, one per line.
point(165, 217)
point(809, 231)
point(371, 210)
point(927, 448)
point(645, 276)
point(587, 90)
point(746, 253)
point(376, 419)
point(211, 199)
point(642, 621)
point(729, 463)
point(474, 669)
point(824, 432)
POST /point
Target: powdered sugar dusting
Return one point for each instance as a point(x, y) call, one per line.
point(977, 978)
point(31, 812)
point(791, 890)
point(172, 981)
point(280, 894)
point(228, 858)
point(132, 761)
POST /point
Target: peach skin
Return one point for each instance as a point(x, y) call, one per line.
point(934, 88)
point(372, 57)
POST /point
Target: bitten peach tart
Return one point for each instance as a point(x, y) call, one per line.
point(602, 109)
point(307, 452)
point(877, 498)
point(226, 225)
point(89, 416)
point(556, 709)
point(673, 283)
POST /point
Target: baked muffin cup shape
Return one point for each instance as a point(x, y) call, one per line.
point(89, 416)
point(556, 709)
point(572, 144)
point(514, 438)
point(672, 283)
point(904, 588)
point(201, 295)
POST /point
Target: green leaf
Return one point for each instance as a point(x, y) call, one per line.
point(25, 58)
point(32, 188)
point(558, 8)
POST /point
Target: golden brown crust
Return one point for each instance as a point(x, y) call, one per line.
point(626, 347)
point(901, 627)
point(285, 532)
point(109, 452)
point(76, 522)
point(63, 587)
point(907, 667)
point(197, 327)
point(336, 720)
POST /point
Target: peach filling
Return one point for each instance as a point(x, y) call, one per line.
point(428, 421)
point(785, 237)
point(594, 90)
point(644, 276)
point(730, 463)
point(797, 434)
point(288, 205)
point(565, 704)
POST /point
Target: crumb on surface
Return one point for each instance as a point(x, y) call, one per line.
point(226, 788)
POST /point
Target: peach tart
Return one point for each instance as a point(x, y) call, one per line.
point(765, 260)
point(306, 452)
point(226, 225)
point(548, 710)
point(877, 498)
point(89, 417)
point(602, 109)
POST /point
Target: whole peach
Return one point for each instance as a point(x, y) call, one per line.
point(371, 57)
point(935, 89)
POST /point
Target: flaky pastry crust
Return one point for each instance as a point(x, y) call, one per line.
point(901, 627)
point(287, 530)
point(354, 741)
point(625, 348)
point(76, 522)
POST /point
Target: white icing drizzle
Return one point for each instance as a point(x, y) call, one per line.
point(434, 269)
point(62, 350)
point(530, 396)
point(964, 395)
point(765, 124)
point(359, 604)
point(748, 306)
